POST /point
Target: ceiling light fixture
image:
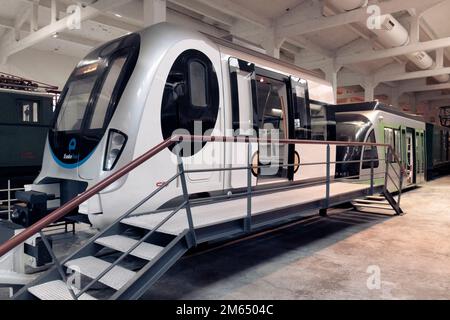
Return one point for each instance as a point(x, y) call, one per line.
point(118, 15)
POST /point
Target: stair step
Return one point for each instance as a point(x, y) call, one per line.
point(375, 198)
point(55, 290)
point(363, 205)
point(92, 267)
point(145, 250)
point(371, 201)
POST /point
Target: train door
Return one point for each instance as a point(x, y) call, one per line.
point(420, 157)
point(369, 155)
point(259, 107)
point(272, 125)
point(300, 124)
point(410, 156)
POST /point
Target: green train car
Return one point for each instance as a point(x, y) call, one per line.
point(438, 151)
point(422, 148)
point(25, 118)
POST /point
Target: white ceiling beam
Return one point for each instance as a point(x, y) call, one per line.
point(434, 97)
point(154, 11)
point(419, 88)
point(304, 26)
point(22, 17)
point(412, 75)
point(6, 23)
point(235, 10)
point(392, 52)
point(34, 38)
point(205, 10)
point(34, 16)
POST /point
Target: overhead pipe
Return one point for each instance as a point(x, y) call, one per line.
point(392, 34)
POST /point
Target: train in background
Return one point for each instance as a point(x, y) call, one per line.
point(422, 148)
point(26, 109)
point(438, 150)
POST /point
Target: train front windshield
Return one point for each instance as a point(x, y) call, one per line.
point(90, 98)
point(350, 128)
point(87, 99)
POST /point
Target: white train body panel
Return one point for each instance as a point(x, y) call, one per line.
point(138, 116)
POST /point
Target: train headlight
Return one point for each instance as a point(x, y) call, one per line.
point(116, 143)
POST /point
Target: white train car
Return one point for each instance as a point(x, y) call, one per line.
point(374, 122)
point(131, 93)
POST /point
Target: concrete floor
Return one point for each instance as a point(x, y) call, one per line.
point(326, 258)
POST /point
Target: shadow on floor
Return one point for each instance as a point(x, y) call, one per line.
point(214, 271)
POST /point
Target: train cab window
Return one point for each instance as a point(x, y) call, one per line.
point(370, 153)
point(319, 123)
point(106, 93)
point(29, 111)
point(191, 96)
point(75, 104)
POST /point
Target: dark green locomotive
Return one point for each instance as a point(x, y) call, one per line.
point(25, 118)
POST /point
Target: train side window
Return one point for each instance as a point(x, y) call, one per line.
point(191, 96)
point(197, 83)
point(398, 144)
point(29, 111)
point(389, 139)
point(301, 109)
point(370, 153)
point(318, 122)
point(244, 106)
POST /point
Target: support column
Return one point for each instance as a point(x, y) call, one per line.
point(34, 16)
point(272, 44)
point(331, 75)
point(369, 86)
point(154, 12)
point(395, 95)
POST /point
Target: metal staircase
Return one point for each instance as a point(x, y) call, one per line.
point(124, 260)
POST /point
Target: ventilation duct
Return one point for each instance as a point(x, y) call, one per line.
point(349, 5)
point(393, 34)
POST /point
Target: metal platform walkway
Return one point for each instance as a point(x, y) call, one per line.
point(124, 260)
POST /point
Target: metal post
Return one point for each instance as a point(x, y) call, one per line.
point(58, 264)
point(248, 220)
point(328, 177)
point(386, 171)
point(400, 186)
point(186, 198)
point(9, 200)
point(371, 170)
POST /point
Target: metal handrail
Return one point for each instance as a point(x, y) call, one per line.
point(75, 202)
point(58, 213)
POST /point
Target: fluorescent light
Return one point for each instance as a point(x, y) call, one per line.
point(277, 111)
point(118, 15)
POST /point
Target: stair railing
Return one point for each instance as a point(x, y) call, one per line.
point(186, 204)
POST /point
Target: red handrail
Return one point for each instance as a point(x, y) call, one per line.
point(75, 202)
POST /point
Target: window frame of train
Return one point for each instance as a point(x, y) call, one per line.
point(182, 113)
point(396, 141)
point(34, 106)
point(330, 119)
point(241, 71)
